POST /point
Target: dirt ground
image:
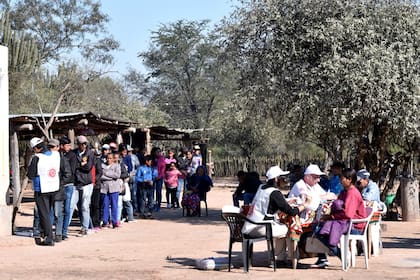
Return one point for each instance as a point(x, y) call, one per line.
point(167, 247)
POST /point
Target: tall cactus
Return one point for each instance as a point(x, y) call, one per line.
point(23, 52)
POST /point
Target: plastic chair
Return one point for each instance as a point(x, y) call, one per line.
point(374, 234)
point(203, 198)
point(349, 240)
point(235, 222)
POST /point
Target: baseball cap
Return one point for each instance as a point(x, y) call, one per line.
point(129, 148)
point(53, 142)
point(105, 147)
point(35, 141)
point(313, 169)
point(362, 174)
point(274, 172)
point(81, 139)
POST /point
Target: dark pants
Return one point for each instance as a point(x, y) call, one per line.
point(44, 201)
point(145, 194)
point(95, 207)
point(171, 192)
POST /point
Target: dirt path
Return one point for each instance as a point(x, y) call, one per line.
point(167, 247)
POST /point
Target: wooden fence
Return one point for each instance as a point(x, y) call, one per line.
point(229, 167)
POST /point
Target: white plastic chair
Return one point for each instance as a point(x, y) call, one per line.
point(375, 231)
point(350, 240)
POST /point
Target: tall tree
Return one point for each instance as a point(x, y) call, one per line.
point(342, 73)
point(183, 58)
point(62, 26)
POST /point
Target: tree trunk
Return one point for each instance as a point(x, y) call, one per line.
point(409, 199)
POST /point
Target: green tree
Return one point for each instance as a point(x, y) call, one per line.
point(337, 73)
point(63, 26)
point(183, 59)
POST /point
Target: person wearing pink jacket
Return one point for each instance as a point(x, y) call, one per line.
point(171, 184)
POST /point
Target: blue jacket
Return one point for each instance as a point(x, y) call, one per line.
point(371, 192)
point(145, 173)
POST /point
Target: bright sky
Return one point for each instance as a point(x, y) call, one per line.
point(133, 20)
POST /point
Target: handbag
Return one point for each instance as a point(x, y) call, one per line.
point(314, 245)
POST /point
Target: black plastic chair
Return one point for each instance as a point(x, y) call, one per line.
point(235, 222)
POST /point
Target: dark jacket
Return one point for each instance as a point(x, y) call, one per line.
point(83, 172)
point(66, 178)
point(72, 159)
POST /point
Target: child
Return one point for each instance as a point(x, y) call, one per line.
point(145, 175)
point(171, 184)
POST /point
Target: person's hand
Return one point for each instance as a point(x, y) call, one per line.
point(308, 200)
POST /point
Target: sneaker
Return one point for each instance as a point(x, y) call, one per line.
point(131, 221)
point(123, 220)
point(65, 237)
point(58, 238)
point(322, 263)
point(97, 229)
point(83, 233)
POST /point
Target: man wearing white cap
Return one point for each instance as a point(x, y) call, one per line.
point(268, 201)
point(308, 187)
point(44, 172)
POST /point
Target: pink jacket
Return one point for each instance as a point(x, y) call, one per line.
point(171, 178)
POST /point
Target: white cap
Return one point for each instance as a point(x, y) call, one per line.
point(129, 148)
point(275, 171)
point(313, 169)
point(362, 174)
point(35, 141)
point(196, 147)
point(105, 147)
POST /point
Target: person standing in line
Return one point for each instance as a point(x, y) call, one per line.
point(72, 195)
point(197, 159)
point(171, 184)
point(159, 164)
point(57, 213)
point(95, 200)
point(110, 190)
point(145, 176)
point(44, 170)
point(83, 181)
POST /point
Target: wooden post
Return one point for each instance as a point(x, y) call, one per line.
point(72, 138)
point(409, 199)
point(148, 143)
point(14, 154)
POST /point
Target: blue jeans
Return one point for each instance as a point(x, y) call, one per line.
point(181, 186)
point(107, 199)
point(146, 194)
point(158, 188)
point(133, 189)
point(128, 207)
point(246, 197)
point(59, 215)
point(85, 193)
point(67, 218)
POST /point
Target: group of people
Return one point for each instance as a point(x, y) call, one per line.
point(107, 187)
point(349, 190)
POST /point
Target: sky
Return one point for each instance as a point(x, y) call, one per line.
point(132, 21)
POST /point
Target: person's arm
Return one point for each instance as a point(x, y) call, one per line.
point(33, 168)
point(279, 203)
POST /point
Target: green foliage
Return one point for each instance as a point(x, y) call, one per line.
point(62, 26)
point(333, 72)
point(183, 60)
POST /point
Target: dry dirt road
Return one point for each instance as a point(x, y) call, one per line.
point(167, 247)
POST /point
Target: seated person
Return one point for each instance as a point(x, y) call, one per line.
point(248, 186)
point(334, 184)
point(352, 207)
point(197, 189)
point(308, 187)
point(368, 188)
point(267, 203)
